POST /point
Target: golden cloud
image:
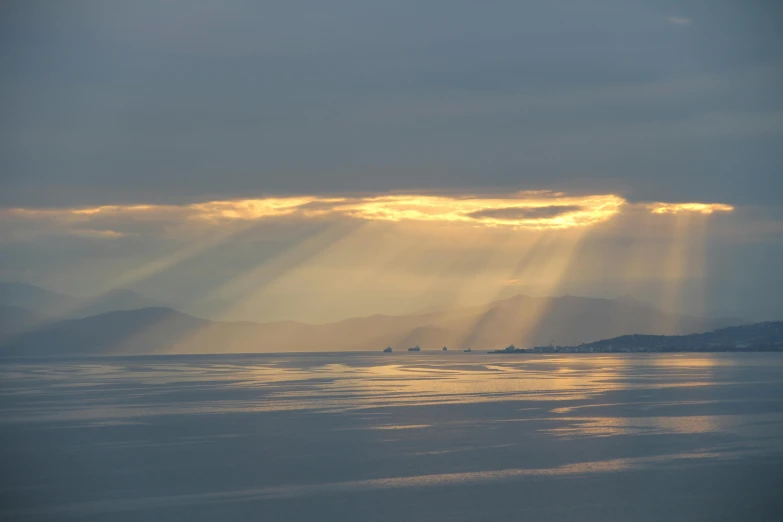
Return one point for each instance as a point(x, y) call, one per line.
point(679, 208)
point(250, 209)
point(537, 210)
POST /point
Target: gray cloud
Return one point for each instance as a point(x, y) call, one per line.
point(526, 213)
point(243, 99)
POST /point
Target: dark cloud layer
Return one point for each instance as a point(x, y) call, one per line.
point(118, 102)
point(514, 213)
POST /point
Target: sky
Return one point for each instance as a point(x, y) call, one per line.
point(313, 160)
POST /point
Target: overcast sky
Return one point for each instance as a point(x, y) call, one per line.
point(182, 102)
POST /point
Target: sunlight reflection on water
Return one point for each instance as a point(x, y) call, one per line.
point(190, 431)
point(279, 383)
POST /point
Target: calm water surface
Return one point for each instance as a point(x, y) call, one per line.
point(428, 436)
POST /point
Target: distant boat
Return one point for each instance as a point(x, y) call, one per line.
point(387, 349)
point(468, 350)
point(414, 349)
point(445, 349)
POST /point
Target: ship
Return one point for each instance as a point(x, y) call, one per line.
point(387, 349)
point(414, 349)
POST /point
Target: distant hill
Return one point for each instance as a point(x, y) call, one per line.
point(759, 336)
point(14, 320)
point(145, 331)
point(116, 299)
point(54, 304)
point(521, 320)
point(528, 321)
point(35, 299)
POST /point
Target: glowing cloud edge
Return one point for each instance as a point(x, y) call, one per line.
point(537, 210)
point(679, 208)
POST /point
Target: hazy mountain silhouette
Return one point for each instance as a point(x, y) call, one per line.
point(15, 320)
point(116, 299)
point(35, 299)
point(759, 336)
point(148, 330)
point(54, 304)
point(521, 320)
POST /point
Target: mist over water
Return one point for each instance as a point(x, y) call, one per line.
point(429, 436)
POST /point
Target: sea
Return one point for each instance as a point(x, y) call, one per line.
point(429, 436)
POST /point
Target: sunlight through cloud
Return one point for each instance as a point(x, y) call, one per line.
point(525, 210)
point(678, 208)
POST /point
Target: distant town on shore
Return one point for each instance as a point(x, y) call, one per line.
point(759, 337)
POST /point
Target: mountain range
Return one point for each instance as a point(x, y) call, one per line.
point(521, 320)
point(57, 305)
